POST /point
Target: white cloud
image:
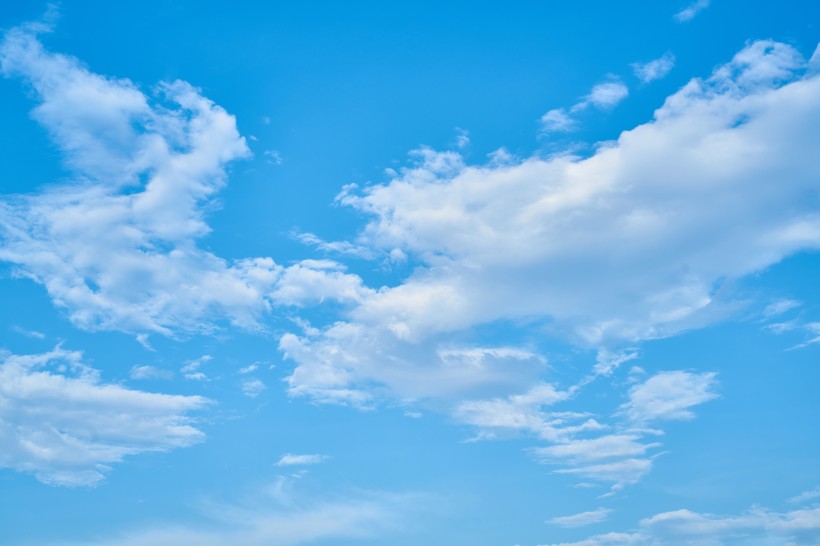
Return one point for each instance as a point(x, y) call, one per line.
point(602, 447)
point(557, 120)
point(253, 387)
point(345, 248)
point(669, 396)
point(689, 12)
point(248, 369)
point(622, 471)
point(274, 157)
point(150, 372)
point(291, 459)
point(605, 95)
point(59, 422)
point(612, 450)
point(582, 519)
point(462, 137)
point(755, 527)
point(779, 307)
point(629, 244)
point(116, 246)
point(655, 69)
point(806, 496)
point(191, 370)
point(28, 333)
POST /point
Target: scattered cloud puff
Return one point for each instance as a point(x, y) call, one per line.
point(605, 95)
point(462, 139)
point(557, 121)
point(755, 527)
point(274, 157)
point(150, 372)
point(582, 519)
point(116, 246)
point(290, 459)
point(191, 370)
point(61, 423)
point(689, 12)
point(655, 69)
point(669, 396)
point(779, 307)
point(253, 388)
point(806, 496)
point(17, 329)
point(629, 244)
point(615, 449)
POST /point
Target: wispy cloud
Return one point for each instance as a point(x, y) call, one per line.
point(655, 69)
point(605, 95)
point(582, 519)
point(291, 459)
point(754, 526)
point(28, 333)
point(557, 121)
point(689, 12)
point(267, 519)
point(61, 423)
point(150, 372)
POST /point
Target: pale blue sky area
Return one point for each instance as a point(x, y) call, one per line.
point(491, 274)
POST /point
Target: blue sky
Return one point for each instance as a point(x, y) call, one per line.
point(353, 274)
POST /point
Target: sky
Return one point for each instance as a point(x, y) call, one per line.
point(519, 274)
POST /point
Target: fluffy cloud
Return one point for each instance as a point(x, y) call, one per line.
point(669, 395)
point(557, 120)
point(655, 69)
point(116, 246)
point(604, 95)
point(59, 422)
point(628, 244)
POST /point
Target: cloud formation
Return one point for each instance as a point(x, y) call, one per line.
point(116, 246)
point(61, 423)
point(756, 526)
point(631, 243)
point(654, 69)
point(689, 12)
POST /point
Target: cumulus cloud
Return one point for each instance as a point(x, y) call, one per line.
point(631, 243)
point(655, 69)
point(116, 246)
point(61, 423)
